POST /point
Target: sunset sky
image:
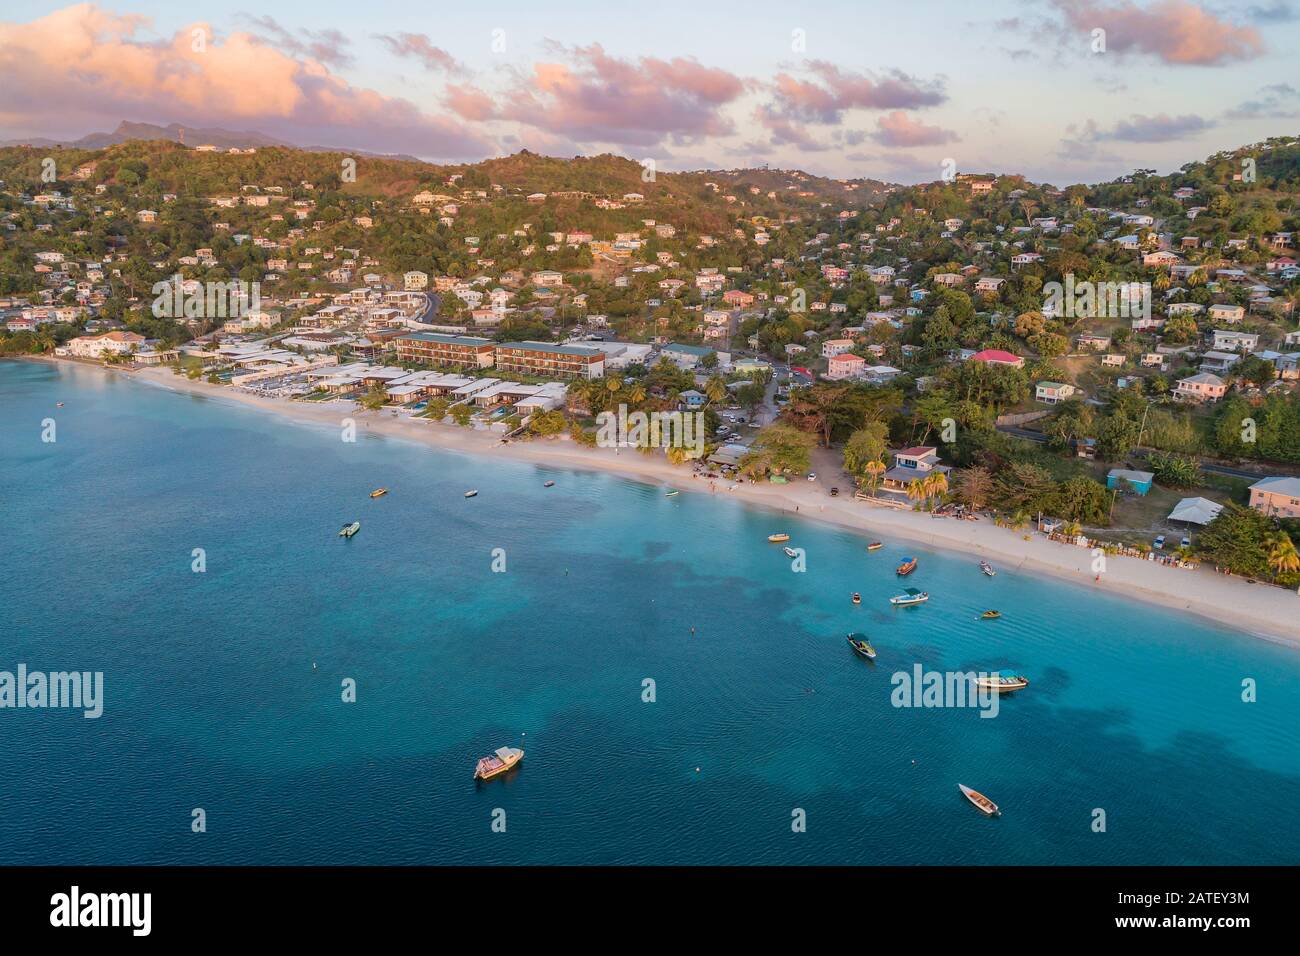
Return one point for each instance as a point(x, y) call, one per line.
point(885, 90)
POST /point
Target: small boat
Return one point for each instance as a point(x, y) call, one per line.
point(778, 538)
point(1002, 683)
point(549, 484)
point(672, 494)
point(348, 530)
point(875, 545)
point(906, 568)
point(379, 493)
point(58, 404)
point(857, 598)
point(990, 615)
point(987, 568)
point(790, 552)
point(909, 598)
point(471, 493)
point(502, 760)
point(981, 801)
point(862, 646)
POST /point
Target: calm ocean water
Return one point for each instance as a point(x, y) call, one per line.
point(212, 700)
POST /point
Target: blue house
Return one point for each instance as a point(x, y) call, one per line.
point(1139, 481)
point(692, 399)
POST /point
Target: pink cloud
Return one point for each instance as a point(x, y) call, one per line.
point(594, 97)
point(834, 91)
point(419, 47)
point(897, 129)
point(1175, 31)
point(89, 67)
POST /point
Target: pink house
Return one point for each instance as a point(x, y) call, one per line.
point(844, 366)
point(1205, 387)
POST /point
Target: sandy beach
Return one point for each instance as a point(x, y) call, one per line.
point(1258, 609)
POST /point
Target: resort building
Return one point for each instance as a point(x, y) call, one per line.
point(545, 359)
point(432, 348)
point(96, 346)
point(1279, 497)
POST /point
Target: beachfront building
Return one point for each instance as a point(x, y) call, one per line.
point(911, 464)
point(456, 351)
point(1279, 497)
point(117, 342)
point(545, 359)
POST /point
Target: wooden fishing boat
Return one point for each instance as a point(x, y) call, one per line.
point(498, 763)
point(990, 615)
point(549, 484)
point(875, 545)
point(980, 801)
point(471, 493)
point(378, 492)
point(862, 646)
point(1002, 683)
point(778, 538)
point(987, 568)
point(906, 568)
point(348, 530)
point(857, 598)
point(790, 552)
point(910, 598)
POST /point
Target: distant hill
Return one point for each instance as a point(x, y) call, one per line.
point(127, 131)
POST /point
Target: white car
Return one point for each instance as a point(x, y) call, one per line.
point(812, 476)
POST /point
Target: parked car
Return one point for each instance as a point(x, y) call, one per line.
point(1186, 542)
point(835, 492)
point(1160, 542)
point(812, 476)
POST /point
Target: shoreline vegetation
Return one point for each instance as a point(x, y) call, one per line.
point(1258, 609)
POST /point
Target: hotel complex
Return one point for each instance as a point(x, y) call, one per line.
point(543, 359)
point(429, 348)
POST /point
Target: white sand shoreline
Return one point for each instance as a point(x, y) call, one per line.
point(1258, 609)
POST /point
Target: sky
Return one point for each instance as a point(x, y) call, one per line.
point(1062, 91)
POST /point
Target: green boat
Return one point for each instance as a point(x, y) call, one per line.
point(348, 530)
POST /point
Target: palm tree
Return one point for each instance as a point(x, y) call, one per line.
point(874, 470)
point(1019, 520)
point(637, 395)
point(1282, 556)
point(916, 490)
point(935, 484)
point(715, 389)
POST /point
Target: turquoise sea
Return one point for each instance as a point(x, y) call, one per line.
point(761, 709)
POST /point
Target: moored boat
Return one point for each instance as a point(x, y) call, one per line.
point(987, 568)
point(990, 615)
point(378, 492)
point(906, 568)
point(498, 763)
point(349, 529)
point(549, 484)
point(1001, 683)
point(862, 646)
point(471, 493)
point(857, 598)
point(790, 552)
point(778, 538)
point(910, 597)
point(981, 801)
point(875, 545)
point(672, 494)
